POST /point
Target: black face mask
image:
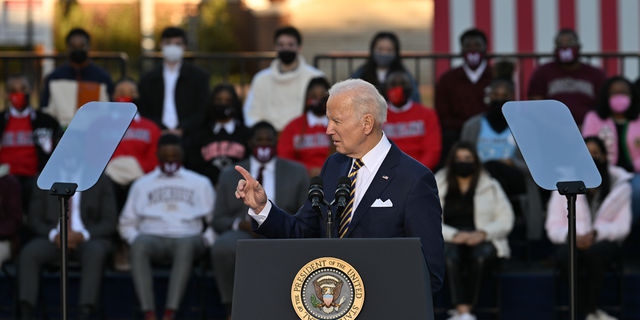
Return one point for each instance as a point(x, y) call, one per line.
point(463, 169)
point(78, 56)
point(601, 165)
point(287, 57)
point(222, 111)
point(319, 108)
point(495, 117)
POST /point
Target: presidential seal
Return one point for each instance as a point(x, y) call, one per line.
point(327, 288)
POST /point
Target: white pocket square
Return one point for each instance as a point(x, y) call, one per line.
point(379, 204)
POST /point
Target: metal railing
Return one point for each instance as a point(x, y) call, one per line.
point(36, 66)
point(237, 68)
point(426, 67)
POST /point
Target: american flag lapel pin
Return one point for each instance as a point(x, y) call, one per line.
point(385, 177)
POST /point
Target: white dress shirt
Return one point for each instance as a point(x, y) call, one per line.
point(19, 114)
point(314, 120)
point(372, 161)
point(403, 108)
point(475, 75)
point(229, 127)
point(169, 113)
point(76, 219)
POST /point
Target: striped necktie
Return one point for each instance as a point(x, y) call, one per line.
point(345, 220)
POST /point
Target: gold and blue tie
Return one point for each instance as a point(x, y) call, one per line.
point(345, 220)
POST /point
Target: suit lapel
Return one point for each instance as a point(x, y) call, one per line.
point(378, 184)
point(280, 188)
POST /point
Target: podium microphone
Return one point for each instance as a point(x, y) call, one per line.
point(316, 194)
point(343, 191)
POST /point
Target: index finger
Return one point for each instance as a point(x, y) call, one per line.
point(247, 176)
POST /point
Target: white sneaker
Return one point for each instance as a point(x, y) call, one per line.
point(466, 316)
point(592, 316)
point(604, 316)
point(455, 315)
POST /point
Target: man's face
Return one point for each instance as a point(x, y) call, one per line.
point(345, 128)
point(78, 42)
point(398, 80)
point(170, 153)
point(264, 137)
point(18, 85)
point(174, 40)
point(287, 42)
point(125, 89)
point(500, 93)
point(566, 40)
point(473, 44)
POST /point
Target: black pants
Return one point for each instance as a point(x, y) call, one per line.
point(26, 188)
point(477, 261)
point(592, 265)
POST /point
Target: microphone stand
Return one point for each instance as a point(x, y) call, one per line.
point(330, 217)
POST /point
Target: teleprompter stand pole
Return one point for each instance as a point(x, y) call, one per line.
point(63, 191)
point(571, 189)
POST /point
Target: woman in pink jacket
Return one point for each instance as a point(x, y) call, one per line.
point(617, 123)
point(603, 221)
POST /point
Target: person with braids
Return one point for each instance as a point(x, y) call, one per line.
point(221, 138)
point(615, 120)
point(304, 139)
point(603, 221)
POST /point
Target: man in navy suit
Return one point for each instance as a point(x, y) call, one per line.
point(392, 195)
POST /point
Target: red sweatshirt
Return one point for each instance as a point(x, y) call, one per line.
point(311, 148)
point(18, 149)
point(458, 99)
point(415, 129)
point(140, 141)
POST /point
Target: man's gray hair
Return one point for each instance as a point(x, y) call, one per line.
point(365, 98)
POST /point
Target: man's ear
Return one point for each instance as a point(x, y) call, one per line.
point(367, 123)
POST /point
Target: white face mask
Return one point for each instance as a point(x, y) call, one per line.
point(172, 52)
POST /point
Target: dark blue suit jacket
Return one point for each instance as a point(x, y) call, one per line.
point(416, 210)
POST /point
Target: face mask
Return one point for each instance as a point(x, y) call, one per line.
point(78, 56)
point(19, 100)
point(619, 103)
point(172, 52)
point(473, 59)
point(222, 111)
point(264, 154)
point(287, 57)
point(124, 99)
point(169, 168)
point(317, 106)
point(496, 105)
point(397, 96)
point(383, 60)
point(463, 169)
point(601, 165)
point(567, 55)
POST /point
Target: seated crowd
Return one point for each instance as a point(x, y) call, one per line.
point(187, 138)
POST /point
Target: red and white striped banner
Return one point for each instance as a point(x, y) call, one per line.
point(525, 26)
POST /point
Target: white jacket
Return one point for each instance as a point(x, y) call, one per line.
point(167, 206)
point(613, 218)
point(492, 211)
point(278, 97)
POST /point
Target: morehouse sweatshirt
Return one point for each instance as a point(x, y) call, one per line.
point(167, 206)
